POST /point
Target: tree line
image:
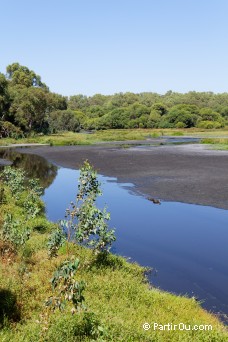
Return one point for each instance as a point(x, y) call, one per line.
point(27, 106)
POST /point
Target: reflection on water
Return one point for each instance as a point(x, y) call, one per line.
point(35, 166)
point(179, 140)
point(186, 245)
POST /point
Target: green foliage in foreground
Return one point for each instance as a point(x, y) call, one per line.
point(118, 298)
point(68, 288)
point(16, 230)
point(87, 223)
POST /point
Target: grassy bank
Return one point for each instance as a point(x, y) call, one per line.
point(69, 138)
point(216, 143)
point(118, 298)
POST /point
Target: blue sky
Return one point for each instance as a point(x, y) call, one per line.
point(110, 46)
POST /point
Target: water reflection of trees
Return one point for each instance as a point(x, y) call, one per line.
point(35, 166)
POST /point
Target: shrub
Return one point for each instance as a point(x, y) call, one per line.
point(180, 125)
point(55, 241)
point(209, 124)
point(68, 288)
point(87, 222)
point(14, 231)
point(15, 179)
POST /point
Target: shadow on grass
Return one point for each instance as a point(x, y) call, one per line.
point(106, 260)
point(9, 308)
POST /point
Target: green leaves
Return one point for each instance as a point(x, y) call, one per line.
point(69, 290)
point(66, 270)
point(18, 183)
point(15, 231)
point(26, 193)
point(55, 241)
point(89, 187)
point(86, 222)
point(63, 120)
point(15, 179)
point(21, 75)
point(92, 228)
point(29, 109)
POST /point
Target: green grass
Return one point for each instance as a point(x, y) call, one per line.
point(209, 133)
point(118, 298)
point(216, 143)
point(116, 293)
point(70, 138)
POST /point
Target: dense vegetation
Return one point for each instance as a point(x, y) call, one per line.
point(27, 107)
point(54, 290)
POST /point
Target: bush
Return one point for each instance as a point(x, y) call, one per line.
point(209, 124)
point(86, 222)
point(69, 290)
point(165, 124)
point(14, 231)
point(180, 125)
point(17, 223)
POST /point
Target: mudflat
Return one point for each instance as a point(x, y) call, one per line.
point(184, 173)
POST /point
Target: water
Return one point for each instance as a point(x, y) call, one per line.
point(35, 166)
point(184, 244)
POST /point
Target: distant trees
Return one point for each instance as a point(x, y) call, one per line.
point(27, 105)
point(183, 115)
point(150, 110)
point(55, 102)
point(78, 102)
point(210, 119)
point(29, 109)
point(65, 120)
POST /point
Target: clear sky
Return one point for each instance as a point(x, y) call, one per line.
point(110, 46)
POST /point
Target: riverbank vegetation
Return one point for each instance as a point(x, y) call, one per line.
point(83, 138)
point(216, 143)
point(216, 139)
point(54, 290)
point(28, 108)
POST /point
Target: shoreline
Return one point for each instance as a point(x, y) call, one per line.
point(180, 173)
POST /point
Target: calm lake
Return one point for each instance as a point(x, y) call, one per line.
point(184, 244)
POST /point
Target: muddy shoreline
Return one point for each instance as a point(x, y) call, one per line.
point(183, 173)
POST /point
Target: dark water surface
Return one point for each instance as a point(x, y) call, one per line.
point(185, 244)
